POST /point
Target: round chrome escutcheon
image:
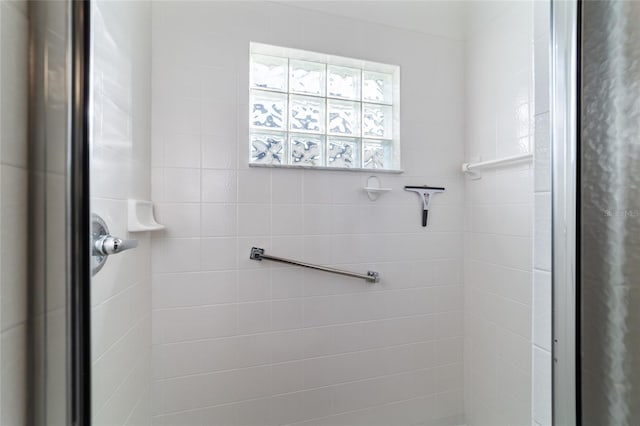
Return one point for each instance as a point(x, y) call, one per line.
point(99, 230)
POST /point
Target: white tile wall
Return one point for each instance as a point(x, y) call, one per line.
point(120, 166)
point(499, 222)
point(13, 211)
point(237, 342)
point(542, 306)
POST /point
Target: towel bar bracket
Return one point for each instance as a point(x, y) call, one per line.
point(256, 253)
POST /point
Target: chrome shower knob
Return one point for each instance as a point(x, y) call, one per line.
point(111, 245)
point(103, 244)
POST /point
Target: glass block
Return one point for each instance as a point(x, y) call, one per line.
point(377, 154)
point(307, 77)
point(343, 82)
point(306, 150)
point(268, 110)
point(344, 117)
point(377, 121)
point(269, 72)
point(307, 114)
point(268, 148)
point(343, 152)
point(377, 87)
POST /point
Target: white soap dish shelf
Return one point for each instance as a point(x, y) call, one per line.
point(373, 189)
point(141, 217)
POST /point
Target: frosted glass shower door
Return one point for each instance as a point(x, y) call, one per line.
point(610, 213)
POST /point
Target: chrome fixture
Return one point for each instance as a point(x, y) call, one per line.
point(425, 193)
point(103, 244)
point(258, 254)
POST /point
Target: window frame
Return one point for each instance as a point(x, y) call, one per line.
point(284, 134)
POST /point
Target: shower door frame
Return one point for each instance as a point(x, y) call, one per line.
point(79, 220)
point(565, 145)
point(565, 18)
point(565, 36)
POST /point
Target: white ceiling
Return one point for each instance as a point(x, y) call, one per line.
point(441, 18)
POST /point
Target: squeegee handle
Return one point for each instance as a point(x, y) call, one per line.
point(425, 214)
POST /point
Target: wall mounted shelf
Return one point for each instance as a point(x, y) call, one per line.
point(141, 217)
point(373, 189)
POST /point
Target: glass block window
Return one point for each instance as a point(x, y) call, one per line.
point(315, 110)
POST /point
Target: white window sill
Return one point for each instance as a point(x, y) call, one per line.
point(341, 169)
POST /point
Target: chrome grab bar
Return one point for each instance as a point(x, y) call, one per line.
point(258, 254)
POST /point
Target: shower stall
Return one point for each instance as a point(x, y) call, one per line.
point(223, 213)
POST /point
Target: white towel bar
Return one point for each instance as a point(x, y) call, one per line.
point(470, 168)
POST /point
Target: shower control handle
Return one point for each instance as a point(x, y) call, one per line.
point(107, 245)
point(103, 244)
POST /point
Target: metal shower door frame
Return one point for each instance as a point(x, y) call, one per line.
point(79, 220)
point(565, 81)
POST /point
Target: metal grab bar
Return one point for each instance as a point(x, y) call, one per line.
point(258, 254)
